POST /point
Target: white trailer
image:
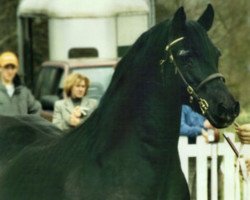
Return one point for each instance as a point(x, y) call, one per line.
point(96, 28)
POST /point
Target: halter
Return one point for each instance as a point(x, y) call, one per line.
point(191, 91)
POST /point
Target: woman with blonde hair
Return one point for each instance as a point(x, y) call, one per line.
point(76, 107)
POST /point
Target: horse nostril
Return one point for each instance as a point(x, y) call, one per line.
point(221, 109)
point(229, 112)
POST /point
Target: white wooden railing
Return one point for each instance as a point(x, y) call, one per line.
point(232, 187)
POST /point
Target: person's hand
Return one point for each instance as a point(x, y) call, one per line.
point(243, 132)
point(207, 124)
point(77, 112)
point(211, 135)
point(216, 135)
point(74, 121)
point(204, 133)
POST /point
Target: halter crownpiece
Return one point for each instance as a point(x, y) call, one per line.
point(173, 43)
point(192, 93)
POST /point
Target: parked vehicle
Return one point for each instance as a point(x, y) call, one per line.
point(49, 84)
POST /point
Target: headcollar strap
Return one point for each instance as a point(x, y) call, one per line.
point(202, 102)
point(209, 78)
point(173, 43)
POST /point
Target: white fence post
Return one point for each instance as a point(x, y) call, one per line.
point(214, 172)
point(183, 143)
point(245, 151)
point(201, 169)
point(203, 151)
point(228, 169)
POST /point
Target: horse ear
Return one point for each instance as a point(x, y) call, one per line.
point(207, 18)
point(179, 20)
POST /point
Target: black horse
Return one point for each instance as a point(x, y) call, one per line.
point(127, 150)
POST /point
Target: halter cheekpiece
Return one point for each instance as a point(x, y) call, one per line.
point(191, 91)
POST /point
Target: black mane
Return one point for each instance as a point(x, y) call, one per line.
point(125, 94)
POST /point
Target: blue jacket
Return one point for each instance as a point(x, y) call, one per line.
point(191, 122)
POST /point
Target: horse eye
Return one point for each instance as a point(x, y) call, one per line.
point(184, 53)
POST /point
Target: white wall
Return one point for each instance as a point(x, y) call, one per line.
point(104, 34)
point(65, 34)
point(130, 27)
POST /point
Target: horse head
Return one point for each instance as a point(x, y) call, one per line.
point(195, 59)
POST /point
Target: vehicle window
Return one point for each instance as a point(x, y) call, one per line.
point(48, 82)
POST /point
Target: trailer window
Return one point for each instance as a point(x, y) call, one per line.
point(82, 52)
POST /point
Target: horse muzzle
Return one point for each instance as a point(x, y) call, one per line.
point(225, 114)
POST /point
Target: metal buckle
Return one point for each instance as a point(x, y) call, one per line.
point(203, 105)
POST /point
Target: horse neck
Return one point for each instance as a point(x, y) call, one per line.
point(145, 104)
point(159, 110)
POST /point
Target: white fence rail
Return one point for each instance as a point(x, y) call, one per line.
point(225, 182)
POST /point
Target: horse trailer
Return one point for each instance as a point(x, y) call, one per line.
point(81, 28)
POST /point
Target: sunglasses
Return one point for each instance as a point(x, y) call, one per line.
point(10, 66)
